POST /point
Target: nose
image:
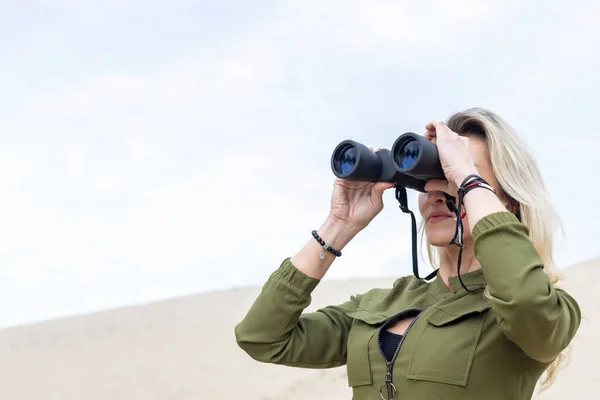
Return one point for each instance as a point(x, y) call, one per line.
point(436, 197)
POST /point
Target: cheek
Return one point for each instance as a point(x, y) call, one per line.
point(422, 200)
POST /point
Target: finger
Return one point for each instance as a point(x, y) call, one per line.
point(444, 132)
point(429, 136)
point(436, 185)
point(441, 129)
point(430, 127)
point(381, 187)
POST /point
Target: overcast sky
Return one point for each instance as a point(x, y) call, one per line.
point(152, 149)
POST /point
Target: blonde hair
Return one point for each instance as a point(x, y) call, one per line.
point(520, 180)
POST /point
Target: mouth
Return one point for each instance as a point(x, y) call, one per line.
point(437, 217)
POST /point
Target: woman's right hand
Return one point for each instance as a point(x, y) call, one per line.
point(357, 203)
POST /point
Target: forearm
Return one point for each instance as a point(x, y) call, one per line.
point(335, 233)
point(277, 330)
point(480, 203)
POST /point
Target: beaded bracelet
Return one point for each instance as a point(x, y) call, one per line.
point(325, 246)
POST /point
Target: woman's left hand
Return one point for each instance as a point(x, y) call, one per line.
point(455, 157)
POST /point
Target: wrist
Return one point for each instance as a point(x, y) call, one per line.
point(337, 233)
point(459, 178)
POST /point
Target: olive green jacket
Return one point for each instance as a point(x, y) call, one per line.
point(461, 346)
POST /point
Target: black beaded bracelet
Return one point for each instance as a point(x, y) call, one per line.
point(325, 246)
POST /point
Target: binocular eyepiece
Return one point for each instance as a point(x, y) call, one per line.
point(412, 161)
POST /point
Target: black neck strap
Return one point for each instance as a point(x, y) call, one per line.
point(402, 198)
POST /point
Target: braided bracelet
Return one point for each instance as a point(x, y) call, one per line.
point(471, 182)
point(325, 246)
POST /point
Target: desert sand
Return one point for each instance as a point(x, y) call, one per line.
point(185, 348)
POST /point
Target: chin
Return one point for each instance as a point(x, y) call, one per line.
point(440, 237)
point(440, 242)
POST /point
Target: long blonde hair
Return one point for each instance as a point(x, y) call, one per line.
point(519, 178)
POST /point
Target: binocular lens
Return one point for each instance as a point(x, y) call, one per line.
point(346, 159)
point(408, 154)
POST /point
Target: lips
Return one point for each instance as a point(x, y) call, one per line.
point(438, 216)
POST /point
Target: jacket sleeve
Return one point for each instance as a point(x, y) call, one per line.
point(275, 329)
point(539, 318)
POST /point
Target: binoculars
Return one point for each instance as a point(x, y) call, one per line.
point(412, 161)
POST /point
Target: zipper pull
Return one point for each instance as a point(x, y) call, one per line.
point(388, 376)
point(389, 386)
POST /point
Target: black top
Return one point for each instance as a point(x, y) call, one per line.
point(389, 343)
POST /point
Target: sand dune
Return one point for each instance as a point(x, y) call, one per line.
point(185, 349)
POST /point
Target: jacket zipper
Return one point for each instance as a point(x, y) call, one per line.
point(390, 364)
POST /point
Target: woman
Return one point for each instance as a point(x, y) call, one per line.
point(489, 330)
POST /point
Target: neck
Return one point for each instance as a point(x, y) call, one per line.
point(449, 262)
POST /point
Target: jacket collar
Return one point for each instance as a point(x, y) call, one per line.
point(472, 280)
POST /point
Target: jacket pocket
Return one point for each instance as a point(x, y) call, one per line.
point(445, 349)
point(362, 333)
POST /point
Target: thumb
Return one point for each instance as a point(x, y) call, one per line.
point(381, 187)
point(436, 185)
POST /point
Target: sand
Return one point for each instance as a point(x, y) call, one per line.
point(185, 348)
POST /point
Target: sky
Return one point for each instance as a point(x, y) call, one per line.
point(153, 149)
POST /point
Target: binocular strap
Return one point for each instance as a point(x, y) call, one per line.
point(402, 198)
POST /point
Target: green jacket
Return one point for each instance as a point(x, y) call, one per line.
point(461, 346)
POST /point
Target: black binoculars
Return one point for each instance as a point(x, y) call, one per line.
point(412, 161)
